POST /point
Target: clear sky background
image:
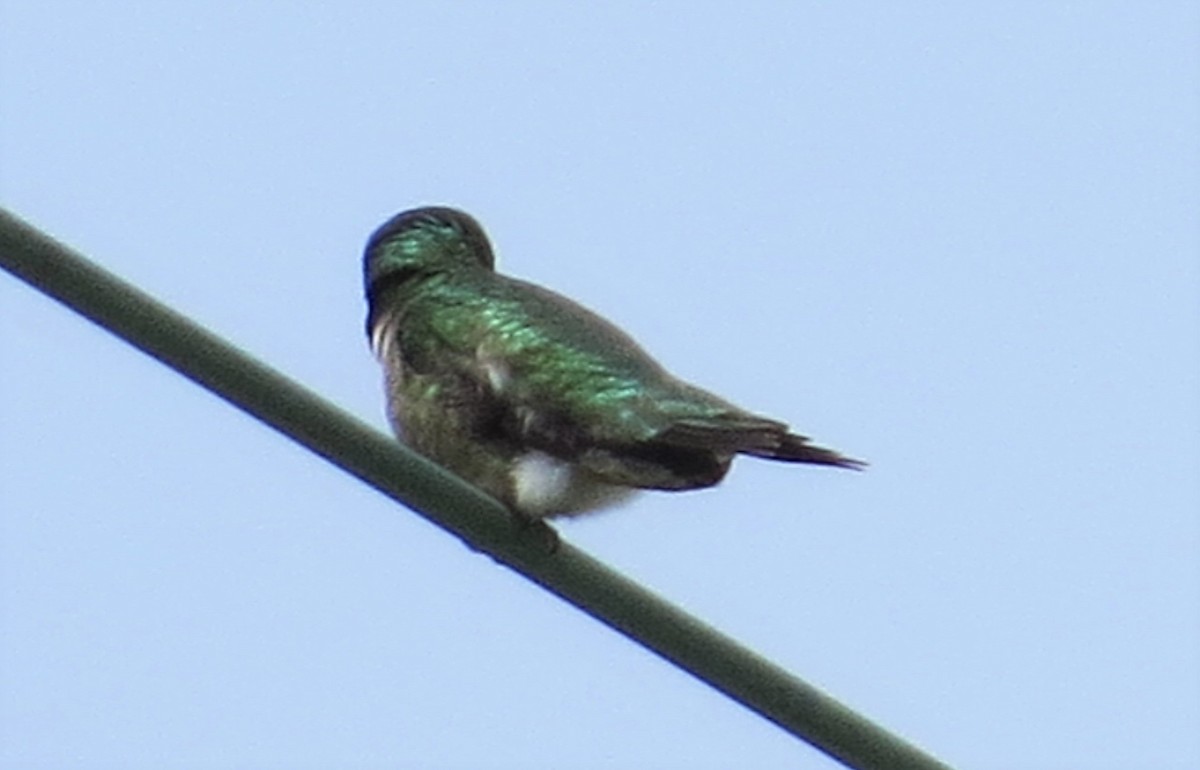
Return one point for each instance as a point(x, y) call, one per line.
point(961, 241)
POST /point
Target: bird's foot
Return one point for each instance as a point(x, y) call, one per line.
point(536, 532)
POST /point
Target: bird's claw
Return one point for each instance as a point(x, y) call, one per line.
point(536, 532)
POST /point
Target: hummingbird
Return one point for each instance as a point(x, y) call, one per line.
point(528, 395)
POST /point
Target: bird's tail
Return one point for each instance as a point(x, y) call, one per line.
point(755, 436)
point(797, 449)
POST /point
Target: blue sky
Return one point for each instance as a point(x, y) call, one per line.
point(961, 242)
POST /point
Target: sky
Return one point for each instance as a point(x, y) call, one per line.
point(960, 241)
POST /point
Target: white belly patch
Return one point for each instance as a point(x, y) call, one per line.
point(546, 486)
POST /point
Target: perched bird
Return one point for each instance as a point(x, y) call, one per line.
point(533, 398)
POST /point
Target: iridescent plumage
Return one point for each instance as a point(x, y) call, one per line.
point(528, 395)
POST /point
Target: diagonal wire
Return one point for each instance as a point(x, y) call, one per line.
point(442, 498)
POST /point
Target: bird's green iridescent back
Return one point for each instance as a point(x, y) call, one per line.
point(539, 348)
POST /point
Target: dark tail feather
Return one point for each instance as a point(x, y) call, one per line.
point(796, 449)
point(754, 436)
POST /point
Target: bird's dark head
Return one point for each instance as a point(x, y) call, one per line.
point(421, 242)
